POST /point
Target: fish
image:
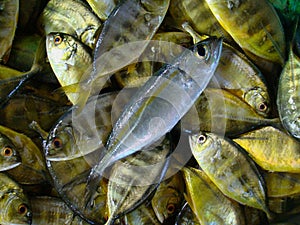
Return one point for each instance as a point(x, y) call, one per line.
point(219, 111)
point(159, 50)
point(230, 169)
point(168, 197)
point(159, 105)
point(239, 76)
point(143, 215)
point(255, 27)
point(7, 72)
point(9, 156)
point(199, 16)
point(9, 11)
point(102, 8)
point(288, 95)
point(123, 38)
point(69, 59)
point(71, 153)
point(60, 16)
point(14, 203)
point(52, 210)
point(202, 194)
point(133, 179)
point(186, 216)
point(258, 145)
point(32, 169)
point(282, 184)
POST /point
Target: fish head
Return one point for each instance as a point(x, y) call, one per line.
point(209, 51)
point(16, 209)
point(60, 144)
point(60, 48)
point(202, 141)
point(259, 100)
point(9, 155)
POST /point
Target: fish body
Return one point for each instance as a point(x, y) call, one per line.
point(9, 12)
point(219, 111)
point(71, 152)
point(102, 8)
point(51, 210)
point(159, 104)
point(72, 17)
point(186, 216)
point(14, 204)
point(254, 25)
point(230, 169)
point(202, 194)
point(69, 59)
point(199, 16)
point(282, 184)
point(288, 96)
point(143, 215)
point(133, 179)
point(258, 144)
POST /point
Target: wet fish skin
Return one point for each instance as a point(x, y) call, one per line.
point(258, 144)
point(202, 193)
point(155, 100)
point(9, 11)
point(254, 25)
point(230, 169)
point(143, 215)
point(288, 95)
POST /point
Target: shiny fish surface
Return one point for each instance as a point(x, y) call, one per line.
point(288, 96)
point(135, 177)
point(254, 25)
point(71, 17)
point(220, 111)
point(186, 216)
point(9, 11)
point(168, 197)
point(102, 8)
point(9, 155)
point(230, 169)
point(265, 147)
point(199, 16)
point(282, 184)
point(238, 75)
point(154, 103)
point(143, 215)
point(14, 204)
point(69, 59)
point(208, 202)
point(71, 153)
point(32, 170)
point(50, 210)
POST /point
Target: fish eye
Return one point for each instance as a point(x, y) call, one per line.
point(57, 143)
point(201, 138)
point(57, 39)
point(262, 107)
point(7, 151)
point(22, 209)
point(202, 51)
point(171, 208)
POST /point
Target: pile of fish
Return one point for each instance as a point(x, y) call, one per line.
point(138, 112)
